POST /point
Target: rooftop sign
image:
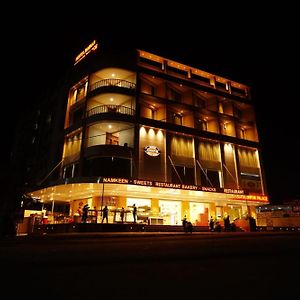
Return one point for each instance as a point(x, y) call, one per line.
point(93, 46)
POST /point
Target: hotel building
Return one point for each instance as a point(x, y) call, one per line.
point(147, 130)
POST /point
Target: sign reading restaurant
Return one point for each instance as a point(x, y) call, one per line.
point(241, 193)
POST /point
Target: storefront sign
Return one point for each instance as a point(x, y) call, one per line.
point(152, 150)
point(91, 47)
point(251, 198)
point(239, 194)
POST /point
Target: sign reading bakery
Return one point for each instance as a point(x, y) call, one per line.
point(152, 150)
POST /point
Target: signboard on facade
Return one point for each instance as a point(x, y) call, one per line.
point(152, 150)
point(239, 194)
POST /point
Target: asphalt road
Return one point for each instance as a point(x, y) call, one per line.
point(217, 265)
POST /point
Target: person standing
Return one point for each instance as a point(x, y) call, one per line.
point(211, 224)
point(122, 214)
point(184, 222)
point(85, 213)
point(105, 214)
point(134, 213)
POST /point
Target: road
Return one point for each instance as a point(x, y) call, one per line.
point(216, 265)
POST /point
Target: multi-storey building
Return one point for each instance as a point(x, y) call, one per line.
point(170, 138)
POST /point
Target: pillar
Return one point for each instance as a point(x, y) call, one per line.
point(212, 210)
point(185, 209)
point(154, 207)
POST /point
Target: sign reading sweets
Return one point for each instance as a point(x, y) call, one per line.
point(240, 193)
point(152, 150)
point(93, 46)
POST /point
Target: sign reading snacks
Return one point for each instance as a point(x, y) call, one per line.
point(152, 150)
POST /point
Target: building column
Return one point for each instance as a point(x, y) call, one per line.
point(185, 209)
point(212, 210)
point(154, 207)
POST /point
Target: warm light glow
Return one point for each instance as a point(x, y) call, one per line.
point(151, 133)
point(142, 131)
point(93, 46)
point(160, 134)
point(228, 147)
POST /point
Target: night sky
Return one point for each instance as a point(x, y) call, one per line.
point(252, 49)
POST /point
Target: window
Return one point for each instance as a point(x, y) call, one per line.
point(77, 115)
point(147, 88)
point(177, 119)
point(80, 93)
point(112, 139)
point(202, 124)
point(209, 177)
point(174, 95)
point(71, 171)
point(186, 174)
point(242, 131)
point(109, 167)
point(251, 182)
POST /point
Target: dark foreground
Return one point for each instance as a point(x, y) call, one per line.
point(206, 265)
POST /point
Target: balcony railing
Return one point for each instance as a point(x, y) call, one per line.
point(110, 109)
point(112, 82)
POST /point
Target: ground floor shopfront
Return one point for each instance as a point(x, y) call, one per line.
point(158, 203)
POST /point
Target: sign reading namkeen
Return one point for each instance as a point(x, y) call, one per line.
point(93, 46)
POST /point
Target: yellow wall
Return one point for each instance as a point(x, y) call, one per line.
point(212, 210)
point(188, 121)
point(154, 207)
point(121, 202)
point(185, 209)
point(213, 126)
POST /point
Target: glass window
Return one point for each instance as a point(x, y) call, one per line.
point(186, 175)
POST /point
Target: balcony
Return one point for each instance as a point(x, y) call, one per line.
point(112, 84)
point(119, 109)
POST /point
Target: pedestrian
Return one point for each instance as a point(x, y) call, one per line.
point(85, 213)
point(122, 214)
point(189, 227)
point(212, 224)
point(134, 213)
point(184, 222)
point(227, 223)
point(105, 214)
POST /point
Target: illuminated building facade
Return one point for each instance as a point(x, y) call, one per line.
point(170, 138)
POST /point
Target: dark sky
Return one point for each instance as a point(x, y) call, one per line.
point(255, 49)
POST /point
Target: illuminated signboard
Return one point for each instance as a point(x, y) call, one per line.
point(93, 46)
point(152, 150)
point(239, 194)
